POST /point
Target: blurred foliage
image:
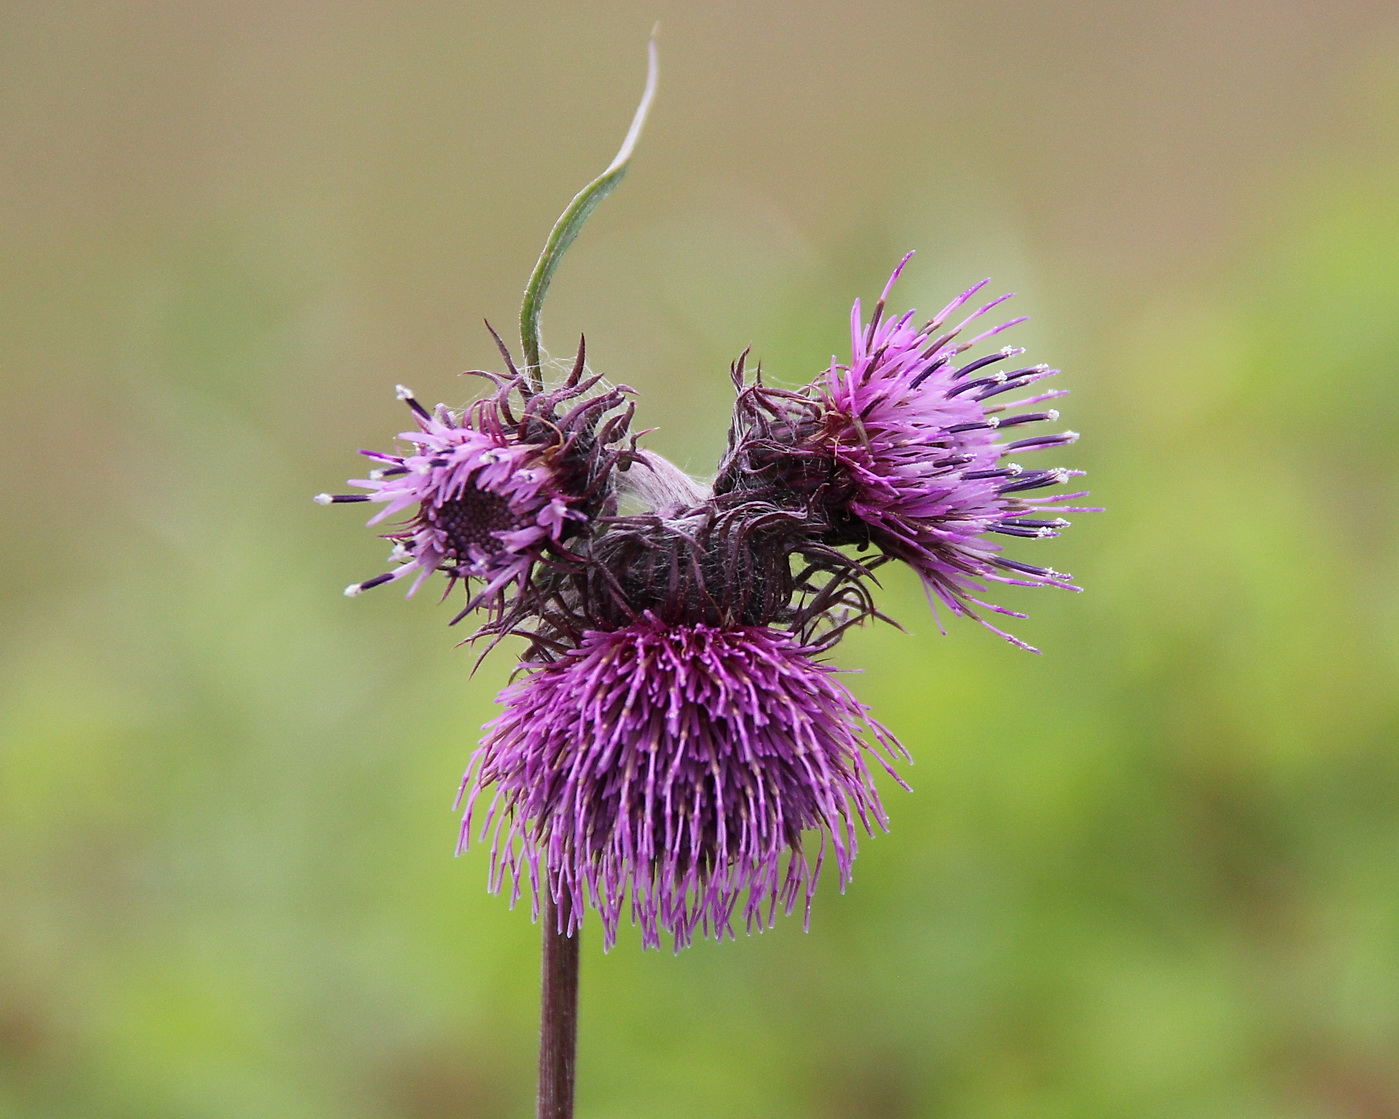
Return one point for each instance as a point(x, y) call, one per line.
point(1150, 874)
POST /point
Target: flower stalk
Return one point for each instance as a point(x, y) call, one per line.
point(558, 1011)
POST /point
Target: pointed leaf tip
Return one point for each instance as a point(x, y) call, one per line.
point(572, 219)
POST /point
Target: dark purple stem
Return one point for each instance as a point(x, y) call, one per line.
point(558, 1013)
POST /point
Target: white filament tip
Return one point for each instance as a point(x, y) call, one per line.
point(323, 499)
point(403, 392)
point(1053, 413)
point(354, 589)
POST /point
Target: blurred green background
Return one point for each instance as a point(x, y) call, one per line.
point(1153, 873)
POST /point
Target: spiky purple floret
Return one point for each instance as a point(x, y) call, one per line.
point(485, 505)
point(675, 769)
point(495, 487)
point(906, 448)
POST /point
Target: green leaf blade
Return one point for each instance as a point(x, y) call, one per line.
point(571, 221)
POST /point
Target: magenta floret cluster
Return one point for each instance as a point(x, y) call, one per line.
point(677, 752)
point(675, 768)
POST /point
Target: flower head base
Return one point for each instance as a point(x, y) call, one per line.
point(719, 563)
point(677, 766)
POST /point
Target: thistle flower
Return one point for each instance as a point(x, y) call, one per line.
point(676, 735)
point(677, 765)
point(493, 491)
point(676, 749)
point(904, 448)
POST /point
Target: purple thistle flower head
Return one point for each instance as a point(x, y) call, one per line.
point(677, 768)
point(906, 448)
point(495, 487)
point(675, 747)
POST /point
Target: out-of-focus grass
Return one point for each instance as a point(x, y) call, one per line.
point(1151, 873)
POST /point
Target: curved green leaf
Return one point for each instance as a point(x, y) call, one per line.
point(571, 221)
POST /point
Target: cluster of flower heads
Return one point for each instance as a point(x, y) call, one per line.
point(676, 749)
